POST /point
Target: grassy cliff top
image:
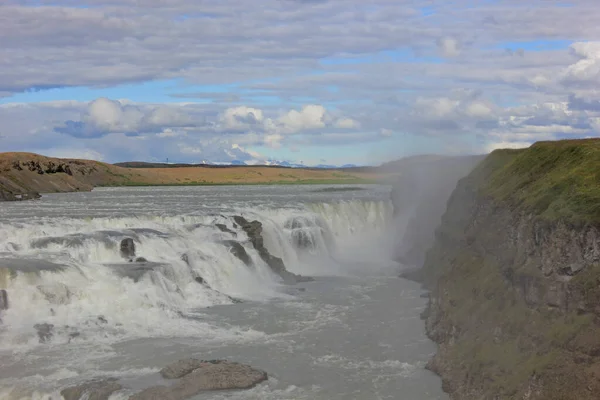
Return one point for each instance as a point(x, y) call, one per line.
point(554, 180)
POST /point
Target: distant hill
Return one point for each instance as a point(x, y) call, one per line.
point(25, 175)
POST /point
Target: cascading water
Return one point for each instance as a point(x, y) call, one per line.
point(69, 272)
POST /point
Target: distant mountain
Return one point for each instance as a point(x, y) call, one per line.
point(271, 163)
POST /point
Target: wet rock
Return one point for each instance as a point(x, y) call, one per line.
point(93, 390)
point(238, 251)
point(102, 319)
point(73, 335)
point(44, 331)
point(254, 231)
point(210, 375)
point(3, 299)
point(141, 260)
point(127, 248)
point(200, 280)
point(219, 375)
point(180, 368)
point(154, 393)
point(225, 229)
point(185, 258)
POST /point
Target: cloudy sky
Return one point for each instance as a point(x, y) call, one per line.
point(335, 81)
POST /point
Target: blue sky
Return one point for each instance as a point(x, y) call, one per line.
point(318, 82)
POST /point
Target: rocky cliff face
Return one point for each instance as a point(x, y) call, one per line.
point(23, 175)
point(515, 278)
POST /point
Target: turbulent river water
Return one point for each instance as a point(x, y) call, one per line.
point(352, 333)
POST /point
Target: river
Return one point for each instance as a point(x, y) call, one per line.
point(352, 333)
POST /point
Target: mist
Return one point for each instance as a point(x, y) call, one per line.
point(421, 187)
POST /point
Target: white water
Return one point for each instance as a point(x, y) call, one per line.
point(65, 269)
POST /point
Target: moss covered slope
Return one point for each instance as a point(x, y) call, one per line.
point(555, 180)
point(515, 277)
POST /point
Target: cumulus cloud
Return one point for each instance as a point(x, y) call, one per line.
point(587, 70)
point(104, 116)
point(241, 118)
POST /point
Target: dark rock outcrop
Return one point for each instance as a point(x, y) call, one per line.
point(44, 331)
point(209, 375)
point(127, 248)
point(254, 231)
point(238, 251)
point(8, 196)
point(225, 229)
point(3, 299)
point(93, 390)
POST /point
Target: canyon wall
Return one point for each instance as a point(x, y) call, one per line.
point(514, 276)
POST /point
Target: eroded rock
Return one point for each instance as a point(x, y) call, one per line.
point(180, 368)
point(209, 375)
point(92, 390)
point(238, 251)
point(127, 248)
point(225, 229)
point(3, 299)
point(45, 331)
point(254, 231)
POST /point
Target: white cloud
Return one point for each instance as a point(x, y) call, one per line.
point(241, 117)
point(587, 69)
point(449, 47)
point(346, 123)
point(311, 116)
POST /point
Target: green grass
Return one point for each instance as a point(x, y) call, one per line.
point(554, 180)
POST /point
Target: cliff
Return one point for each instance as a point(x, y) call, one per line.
point(514, 275)
point(25, 175)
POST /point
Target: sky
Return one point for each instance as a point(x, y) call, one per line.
point(311, 81)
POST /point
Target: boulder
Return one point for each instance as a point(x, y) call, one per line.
point(127, 248)
point(185, 258)
point(225, 229)
point(180, 368)
point(209, 375)
point(3, 299)
point(92, 390)
point(238, 251)
point(44, 331)
point(200, 280)
point(154, 393)
point(141, 260)
point(219, 375)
